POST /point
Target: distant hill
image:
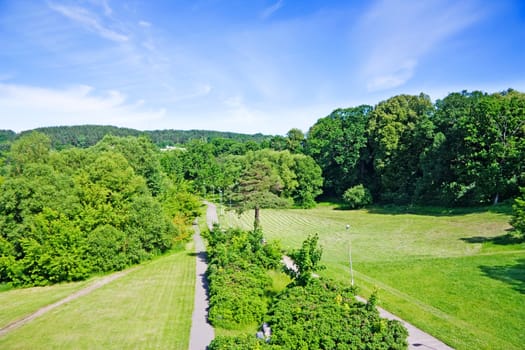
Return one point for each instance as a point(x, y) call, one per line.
point(6, 136)
point(88, 135)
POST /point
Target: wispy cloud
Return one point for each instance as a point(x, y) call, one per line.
point(144, 24)
point(270, 10)
point(71, 106)
point(90, 21)
point(396, 34)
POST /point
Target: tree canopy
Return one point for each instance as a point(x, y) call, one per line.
point(66, 214)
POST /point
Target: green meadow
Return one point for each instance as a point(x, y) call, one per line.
point(148, 308)
point(453, 273)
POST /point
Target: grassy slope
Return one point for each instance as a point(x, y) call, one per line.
point(150, 308)
point(437, 269)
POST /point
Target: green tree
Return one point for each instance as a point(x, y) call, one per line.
point(259, 187)
point(338, 144)
point(141, 154)
point(309, 181)
point(307, 261)
point(400, 130)
point(295, 139)
point(31, 148)
point(479, 155)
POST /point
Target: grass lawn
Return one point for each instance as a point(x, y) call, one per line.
point(447, 272)
point(18, 303)
point(149, 308)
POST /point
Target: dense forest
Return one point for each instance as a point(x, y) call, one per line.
point(88, 135)
point(78, 200)
point(67, 214)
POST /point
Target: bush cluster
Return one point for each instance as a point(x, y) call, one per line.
point(313, 313)
point(238, 280)
point(322, 315)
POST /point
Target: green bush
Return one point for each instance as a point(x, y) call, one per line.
point(246, 342)
point(357, 197)
point(238, 281)
point(322, 315)
point(518, 217)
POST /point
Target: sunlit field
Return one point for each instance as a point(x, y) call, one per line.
point(450, 272)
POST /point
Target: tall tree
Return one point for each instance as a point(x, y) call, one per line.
point(32, 148)
point(481, 152)
point(141, 154)
point(338, 144)
point(259, 187)
point(295, 139)
point(400, 130)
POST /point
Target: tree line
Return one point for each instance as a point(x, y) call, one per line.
point(466, 149)
point(83, 136)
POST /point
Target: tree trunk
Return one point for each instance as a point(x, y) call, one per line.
point(257, 221)
point(496, 199)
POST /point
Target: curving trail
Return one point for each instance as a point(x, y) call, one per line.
point(202, 332)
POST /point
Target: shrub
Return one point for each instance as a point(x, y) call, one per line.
point(357, 196)
point(518, 217)
point(237, 275)
point(322, 315)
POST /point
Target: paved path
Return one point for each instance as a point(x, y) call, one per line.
point(201, 331)
point(76, 295)
point(211, 215)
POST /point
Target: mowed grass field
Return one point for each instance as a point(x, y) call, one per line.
point(148, 308)
point(444, 271)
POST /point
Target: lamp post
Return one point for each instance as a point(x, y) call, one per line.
point(220, 201)
point(350, 255)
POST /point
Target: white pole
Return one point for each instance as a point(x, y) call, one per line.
point(350, 255)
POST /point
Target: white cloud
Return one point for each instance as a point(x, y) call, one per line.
point(396, 34)
point(270, 10)
point(89, 21)
point(144, 24)
point(27, 107)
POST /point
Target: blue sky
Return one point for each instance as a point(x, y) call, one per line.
point(244, 65)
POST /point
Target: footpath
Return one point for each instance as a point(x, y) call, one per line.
point(202, 332)
point(417, 339)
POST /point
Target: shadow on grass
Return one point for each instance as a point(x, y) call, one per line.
point(504, 209)
point(514, 274)
point(506, 239)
